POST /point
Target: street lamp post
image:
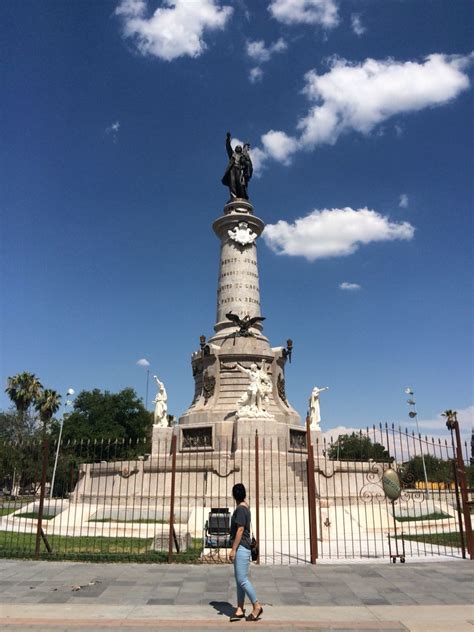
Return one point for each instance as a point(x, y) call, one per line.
point(414, 415)
point(69, 393)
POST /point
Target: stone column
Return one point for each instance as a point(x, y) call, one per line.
point(238, 284)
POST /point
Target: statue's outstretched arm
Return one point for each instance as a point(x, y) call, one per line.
point(242, 368)
point(228, 146)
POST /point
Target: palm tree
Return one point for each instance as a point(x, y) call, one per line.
point(47, 403)
point(451, 418)
point(23, 389)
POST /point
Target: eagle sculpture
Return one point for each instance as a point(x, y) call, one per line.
point(244, 323)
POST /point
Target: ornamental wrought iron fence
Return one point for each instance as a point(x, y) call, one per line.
point(357, 517)
point(379, 493)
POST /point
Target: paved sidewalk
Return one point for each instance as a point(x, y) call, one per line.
point(63, 596)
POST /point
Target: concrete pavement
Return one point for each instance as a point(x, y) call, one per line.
point(62, 596)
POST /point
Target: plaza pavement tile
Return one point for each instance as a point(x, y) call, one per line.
point(415, 597)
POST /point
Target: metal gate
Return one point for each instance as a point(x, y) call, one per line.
point(429, 514)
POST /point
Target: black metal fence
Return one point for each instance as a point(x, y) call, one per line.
point(112, 499)
point(357, 519)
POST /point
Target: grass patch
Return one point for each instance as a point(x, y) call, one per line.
point(451, 538)
point(432, 516)
point(140, 521)
point(34, 515)
point(90, 548)
point(5, 511)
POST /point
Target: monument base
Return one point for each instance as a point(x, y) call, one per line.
point(160, 439)
point(273, 435)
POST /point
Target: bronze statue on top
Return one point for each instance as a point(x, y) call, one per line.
point(239, 170)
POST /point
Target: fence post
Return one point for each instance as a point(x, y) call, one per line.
point(257, 497)
point(39, 525)
point(453, 425)
point(458, 507)
point(313, 533)
point(173, 485)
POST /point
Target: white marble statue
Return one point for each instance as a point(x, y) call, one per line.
point(254, 401)
point(242, 234)
point(265, 382)
point(160, 417)
point(315, 408)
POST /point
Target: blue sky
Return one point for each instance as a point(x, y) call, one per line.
point(360, 118)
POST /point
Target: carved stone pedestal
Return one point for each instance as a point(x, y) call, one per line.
point(317, 441)
point(245, 429)
point(161, 439)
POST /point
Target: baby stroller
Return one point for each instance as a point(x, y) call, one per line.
point(217, 529)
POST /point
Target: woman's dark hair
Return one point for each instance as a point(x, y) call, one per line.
point(239, 493)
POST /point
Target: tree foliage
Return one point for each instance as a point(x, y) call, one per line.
point(437, 470)
point(20, 466)
point(100, 414)
point(47, 403)
point(20, 423)
point(23, 390)
point(15, 427)
point(357, 447)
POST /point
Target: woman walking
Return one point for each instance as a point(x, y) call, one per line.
point(240, 555)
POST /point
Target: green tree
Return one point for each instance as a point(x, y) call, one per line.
point(101, 415)
point(20, 465)
point(23, 390)
point(470, 476)
point(357, 447)
point(437, 470)
point(10, 425)
point(47, 403)
point(450, 415)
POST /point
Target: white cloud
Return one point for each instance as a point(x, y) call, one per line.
point(434, 429)
point(255, 74)
point(143, 362)
point(359, 97)
point(280, 146)
point(175, 29)
point(331, 435)
point(356, 24)
point(320, 12)
point(259, 53)
point(465, 418)
point(112, 130)
point(352, 287)
point(259, 158)
point(333, 233)
point(403, 203)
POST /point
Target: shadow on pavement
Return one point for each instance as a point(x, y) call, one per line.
point(223, 608)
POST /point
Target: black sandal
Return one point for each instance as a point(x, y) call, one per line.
point(252, 618)
point(237, 617)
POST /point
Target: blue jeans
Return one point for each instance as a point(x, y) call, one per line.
point(241, 571)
